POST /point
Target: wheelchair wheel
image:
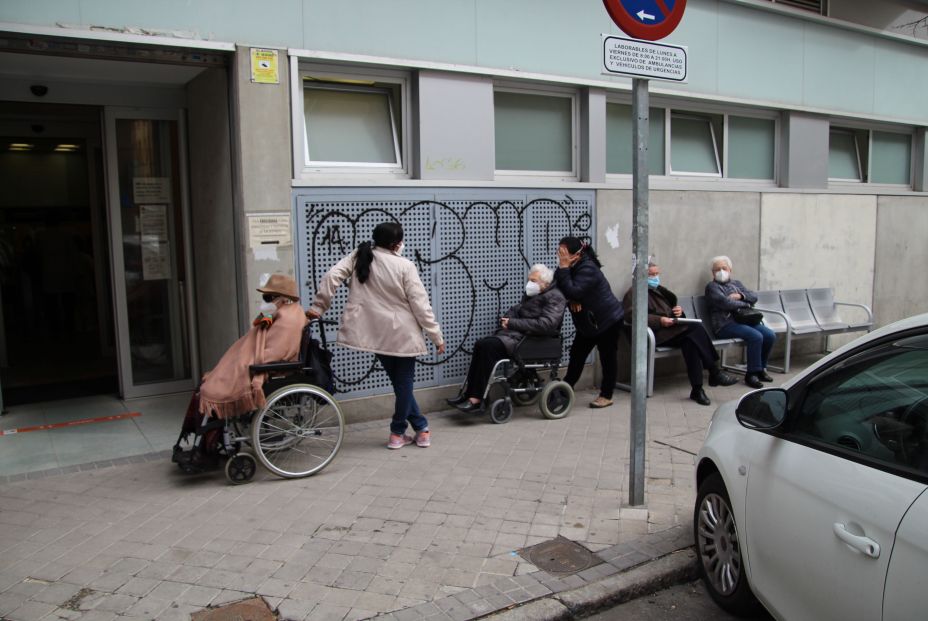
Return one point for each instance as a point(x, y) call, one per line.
point(501, 411)
point(298, 432)
point(241, 468)
point(556, 400)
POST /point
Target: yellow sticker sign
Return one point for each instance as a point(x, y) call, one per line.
point(264, 66)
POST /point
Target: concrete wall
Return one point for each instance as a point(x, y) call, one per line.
point(263, 170)
point(804, 151)
point(826, 240)
point(212, 213)
point(455, 127)
point(687, 229)
point(900, 283)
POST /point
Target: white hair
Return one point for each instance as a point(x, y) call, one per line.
point(545, 273)
point(720, 259)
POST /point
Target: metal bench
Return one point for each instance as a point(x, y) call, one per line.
point(691, 310)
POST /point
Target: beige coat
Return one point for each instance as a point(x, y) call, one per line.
point(229, 389)
point(388, 313)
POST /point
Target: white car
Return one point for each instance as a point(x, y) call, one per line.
point(812, 497)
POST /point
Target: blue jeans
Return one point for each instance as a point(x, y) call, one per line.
point(759, 340)
point(401, 372)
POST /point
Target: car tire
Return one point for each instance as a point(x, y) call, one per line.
point(718, 551)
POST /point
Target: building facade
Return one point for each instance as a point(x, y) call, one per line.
point(159, 158)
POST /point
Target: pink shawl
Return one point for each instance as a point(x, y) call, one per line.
point(229, 390)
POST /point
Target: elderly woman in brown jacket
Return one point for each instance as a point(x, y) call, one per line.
point(692, 339)
point(388, 309)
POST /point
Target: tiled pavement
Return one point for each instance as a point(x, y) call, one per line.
point(408, 534)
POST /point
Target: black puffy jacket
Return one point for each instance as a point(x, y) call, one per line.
point(584, 283)
point(540, 315)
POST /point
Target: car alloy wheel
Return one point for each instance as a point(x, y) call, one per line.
point(719, 551)
point(718, 544)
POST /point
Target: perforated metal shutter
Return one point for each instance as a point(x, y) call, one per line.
point(473, 249)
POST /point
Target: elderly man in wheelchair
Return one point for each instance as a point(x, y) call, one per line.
point(527, 341)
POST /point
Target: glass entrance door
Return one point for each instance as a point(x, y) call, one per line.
point(150, 249)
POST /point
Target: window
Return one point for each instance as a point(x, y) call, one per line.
point(869, 156)
point(847, 154)
point(695, 143)
point(816, 6)
point(619, 144)
point(751, 148)
point(353, 122)
point(873, 405)
point(891, 158)
point(535, 132)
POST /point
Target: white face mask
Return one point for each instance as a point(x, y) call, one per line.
point(722, 276)
point(400, 248)
point(267, 308)
point(532, 289)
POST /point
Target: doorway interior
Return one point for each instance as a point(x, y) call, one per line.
point(55, 283)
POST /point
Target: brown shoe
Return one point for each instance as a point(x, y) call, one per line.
point(600, 402)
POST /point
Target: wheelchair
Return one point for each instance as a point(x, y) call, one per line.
point(296, 434)
point(520, 381)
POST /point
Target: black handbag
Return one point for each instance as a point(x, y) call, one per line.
point(319, 359)
point(747, 315)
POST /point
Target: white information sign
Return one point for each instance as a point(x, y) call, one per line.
point(151, 189)
point(269, 229)
point(643, 59)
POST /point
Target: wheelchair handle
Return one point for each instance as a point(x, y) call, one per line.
point(321, 323)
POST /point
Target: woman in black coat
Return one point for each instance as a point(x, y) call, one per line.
point(540, 313)
point(596, 312)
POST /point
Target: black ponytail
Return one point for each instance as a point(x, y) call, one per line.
point(575, 245)
point(386, 235)
point(363, 260)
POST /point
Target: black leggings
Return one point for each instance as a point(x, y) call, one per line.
point(607, 342)
point(487, 352)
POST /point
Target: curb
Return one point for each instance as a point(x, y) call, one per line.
point(675, 568)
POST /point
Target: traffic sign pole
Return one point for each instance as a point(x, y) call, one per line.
point(640, 221)
point(649, 20)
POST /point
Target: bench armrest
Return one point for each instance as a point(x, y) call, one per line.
point(789, 324)
point(863, 306)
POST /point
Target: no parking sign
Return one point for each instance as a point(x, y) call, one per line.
point(646, 19)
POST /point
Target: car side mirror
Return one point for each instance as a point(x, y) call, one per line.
point(763, 409)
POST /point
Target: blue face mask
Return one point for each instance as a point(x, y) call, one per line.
point(654, 281)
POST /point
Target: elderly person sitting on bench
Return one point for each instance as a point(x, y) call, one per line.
point(691, 338)
point(540, 313)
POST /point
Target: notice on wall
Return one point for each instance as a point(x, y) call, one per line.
point(269, 229)
point(264, 68)
point(151, 190)
point(156, 247)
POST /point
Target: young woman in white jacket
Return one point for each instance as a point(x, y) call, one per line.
point(388, 309)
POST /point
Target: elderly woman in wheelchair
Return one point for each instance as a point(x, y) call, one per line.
point(268, 394)
point(527, 340)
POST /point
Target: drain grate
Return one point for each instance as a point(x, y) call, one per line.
point(559, 556)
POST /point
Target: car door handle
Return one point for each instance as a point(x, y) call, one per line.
point(864, 545)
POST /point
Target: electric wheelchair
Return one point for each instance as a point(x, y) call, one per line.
point(296, 434)
point(520, 381)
